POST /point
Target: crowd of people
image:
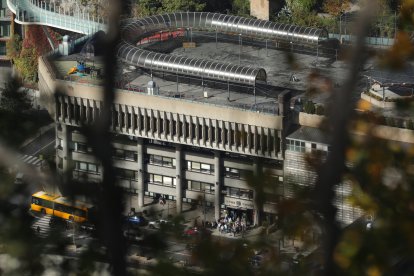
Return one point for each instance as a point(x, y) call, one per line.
point(231, 223)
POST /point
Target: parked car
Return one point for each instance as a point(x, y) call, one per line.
point(136, 220)
point(191, 232)
point(57, 222)
point(19, 179)
point(133, 235)
point(157, 224)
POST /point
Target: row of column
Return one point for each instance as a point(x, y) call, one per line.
point(64, 134)
point(179, 183)
point(177, 128)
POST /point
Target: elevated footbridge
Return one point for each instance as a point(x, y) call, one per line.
point(38, 12)
point(132, 30)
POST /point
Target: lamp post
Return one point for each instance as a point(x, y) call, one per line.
point(240, 47)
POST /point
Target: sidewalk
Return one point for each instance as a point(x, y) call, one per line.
point(253, 234)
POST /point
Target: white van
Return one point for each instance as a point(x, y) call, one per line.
point(19, 178)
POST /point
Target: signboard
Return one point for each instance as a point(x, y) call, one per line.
point(238, 203)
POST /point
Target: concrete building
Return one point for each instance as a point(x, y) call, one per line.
point(180, 134)
point(262, 9)
point(306, 142)
point(6, 28)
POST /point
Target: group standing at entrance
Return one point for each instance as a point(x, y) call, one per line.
point(232, 223)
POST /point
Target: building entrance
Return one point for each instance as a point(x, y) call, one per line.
point(240, 214)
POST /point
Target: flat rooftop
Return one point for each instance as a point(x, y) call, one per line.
point(283, 73)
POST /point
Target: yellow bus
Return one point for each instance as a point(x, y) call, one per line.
point(60, 206)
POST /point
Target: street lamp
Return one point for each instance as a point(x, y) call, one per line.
point(240, 47)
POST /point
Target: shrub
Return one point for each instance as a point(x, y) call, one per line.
point(320, 110)
point(309, 107)
point(409, 124)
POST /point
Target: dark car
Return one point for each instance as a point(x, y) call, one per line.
point(136, 220)
point(56, 222)
point(133, 235)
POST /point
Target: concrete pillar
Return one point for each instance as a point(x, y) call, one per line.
point(217, 180)
point(179, 179)
point(256, 211)
point(141, 173)
point(66, 138)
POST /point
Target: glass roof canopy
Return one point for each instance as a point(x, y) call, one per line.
point(134, 30)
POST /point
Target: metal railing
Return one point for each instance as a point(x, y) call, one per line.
point(40, 12)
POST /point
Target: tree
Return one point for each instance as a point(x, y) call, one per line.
point(300, 6)
point(14, 46)
point(336, 7)
point(182, 5)
point(241, 7)
point(150, 7)
point(26, 64)
point(13, 98)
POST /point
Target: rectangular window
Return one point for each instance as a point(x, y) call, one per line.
point(187, 130)
point(238, 138)
point(161, 130)
point(157, 178)
point(83, 166)
point(72, 110)
point(181, 129)
point(60, 143)
point(131, 155)
point(206, 168)
point(129, 120)
point(167, 127)
point(60, 162)
point(213, 134)
point(219, 138)
point(135, 121)
point(58, 108)
point(200, 167)
point(206, 133)
point(92, 168)
point(168, 181)
point(155, 127)
point(141, 122)
point(77, 112)
point(195, 166)
point(83, 113)
point(193, 131)
point(116, 118)
point(90, 114)
point(147, 123)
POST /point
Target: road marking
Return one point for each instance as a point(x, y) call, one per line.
point(44, 147)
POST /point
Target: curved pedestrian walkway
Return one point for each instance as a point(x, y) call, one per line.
point(41, 13)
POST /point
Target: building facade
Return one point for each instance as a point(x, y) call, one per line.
point(6, 28)
point(176, 149)
point(301, 145)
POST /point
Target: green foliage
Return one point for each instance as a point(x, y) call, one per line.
point(241, 7)
point(17, 122)
point(14, 46)
point(13, 98)
point(150, 7)
point(27, 63)
point(319, 110)
point(309, 107)
point(301, 6)
point(409, 124)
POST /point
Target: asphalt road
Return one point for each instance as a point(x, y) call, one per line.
point(43, 144)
